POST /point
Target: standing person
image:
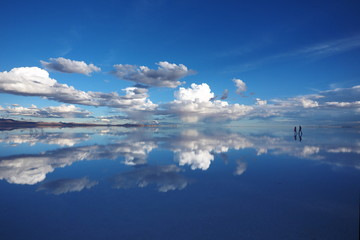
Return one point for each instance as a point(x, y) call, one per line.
point(295, 130)
point(300, 129)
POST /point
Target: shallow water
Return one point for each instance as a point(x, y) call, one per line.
point(179, 183)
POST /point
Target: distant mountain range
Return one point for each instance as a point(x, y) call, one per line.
point(8, 124)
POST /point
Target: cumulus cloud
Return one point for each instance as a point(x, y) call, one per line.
point(196, 103)
point(33, 81)
point(70, 66)
point(165, 178)
point(240, 86)
point(167, 74)
point(308, 103)
point(61, 186)
point(62, 111)
point(197, 93)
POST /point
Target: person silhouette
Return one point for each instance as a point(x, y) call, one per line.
point(295, 130)
point(299, 128)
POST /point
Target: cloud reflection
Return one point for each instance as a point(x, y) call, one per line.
point(195, 148)
point(61, 186)
point(38, 136)
point(32, 168)
point(240, 167)
point(165, 178)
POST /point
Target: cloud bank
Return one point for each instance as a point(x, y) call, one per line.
point(193, 104)
point(320, 108)
point(62, 111)
point(69, 66)
point(167, 74)
point(33, 81)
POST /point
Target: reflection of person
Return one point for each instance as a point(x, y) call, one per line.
point(300, 132)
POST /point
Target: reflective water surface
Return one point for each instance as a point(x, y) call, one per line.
point(179, 183)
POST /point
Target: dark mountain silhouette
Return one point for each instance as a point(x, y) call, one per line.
point(8, 124)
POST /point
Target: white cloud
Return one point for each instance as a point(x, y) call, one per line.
point(343, 104)
point(167, 74)
point(260, 102)
point(61, 186)
point(70, 66)
point(308, 103)
point(62, 111)
point(240, 86)
point(195, 104)
point(197, 93)
point(33, 81)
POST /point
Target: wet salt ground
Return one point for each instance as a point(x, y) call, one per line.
point(179, 184)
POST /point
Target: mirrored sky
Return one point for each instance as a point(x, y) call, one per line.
point(38, 152)
point(154, 183)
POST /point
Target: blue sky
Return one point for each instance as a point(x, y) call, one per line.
point(297, 61)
